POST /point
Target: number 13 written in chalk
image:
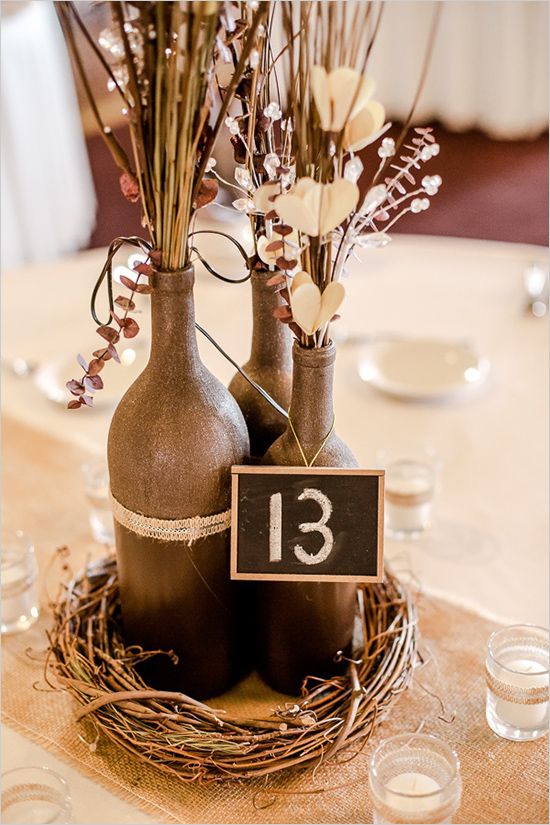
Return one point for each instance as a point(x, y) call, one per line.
point(276, 528)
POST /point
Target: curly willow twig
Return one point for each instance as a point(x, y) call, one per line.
point(194, 741)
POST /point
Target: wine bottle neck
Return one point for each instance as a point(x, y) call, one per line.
point(270, 338)
point(311, 409)
point(173, 336)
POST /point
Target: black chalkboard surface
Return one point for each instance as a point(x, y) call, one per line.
point(304, 523)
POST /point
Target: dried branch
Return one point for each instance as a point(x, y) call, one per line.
point(191, 740)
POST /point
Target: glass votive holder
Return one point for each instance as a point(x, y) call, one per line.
point(414, 778)
point(409, 496)
point(37, 795)
point(517, 682)
point(96, 486)
point(20, 606)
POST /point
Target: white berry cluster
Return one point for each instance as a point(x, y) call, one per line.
point(431, 184)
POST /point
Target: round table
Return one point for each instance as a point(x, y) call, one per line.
point(488, 548)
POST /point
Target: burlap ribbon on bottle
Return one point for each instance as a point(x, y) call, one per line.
point(188, 530)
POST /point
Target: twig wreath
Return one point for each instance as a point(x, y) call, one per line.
point(195, 741)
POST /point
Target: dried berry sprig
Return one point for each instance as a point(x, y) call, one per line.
point(261, 142)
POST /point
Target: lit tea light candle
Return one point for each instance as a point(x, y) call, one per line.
point(517, 682)
point(414, 778)
point(410, 488)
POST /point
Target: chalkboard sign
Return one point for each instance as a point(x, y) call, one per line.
point(304, 523)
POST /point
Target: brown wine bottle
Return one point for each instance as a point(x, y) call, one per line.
point(269, 366)
point(301, 626)
point(172, 441)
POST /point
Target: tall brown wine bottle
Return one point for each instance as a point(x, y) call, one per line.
point(173, 438)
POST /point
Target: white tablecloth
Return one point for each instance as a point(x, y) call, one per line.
point(489, 546)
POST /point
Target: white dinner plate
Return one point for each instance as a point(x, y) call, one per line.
point(52, 376)
point(422, 368)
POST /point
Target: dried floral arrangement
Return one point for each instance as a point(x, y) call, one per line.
point(160, 58)
point(306, 217)
point(195, 741)
point(262, 145)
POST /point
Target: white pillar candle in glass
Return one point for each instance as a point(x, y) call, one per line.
point(96, 484)
point(19, 583)
point(37, 795)
point(410, 489)
point(413, 791)
point(414, 778)
point(517, 682)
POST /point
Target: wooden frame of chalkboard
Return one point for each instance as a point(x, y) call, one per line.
point(378, 529)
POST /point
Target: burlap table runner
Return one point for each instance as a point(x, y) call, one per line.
point(504, 782)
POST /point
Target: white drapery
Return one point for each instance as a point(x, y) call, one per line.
point(489, 68)
point(48, 197)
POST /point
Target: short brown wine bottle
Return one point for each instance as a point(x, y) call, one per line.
point(303, 625)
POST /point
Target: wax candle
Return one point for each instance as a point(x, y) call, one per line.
point(413, 791)
point(409, 497)
point(528, 674)
point(517, 682)
point(414, 778)
point(19, 584)
point(96, 485)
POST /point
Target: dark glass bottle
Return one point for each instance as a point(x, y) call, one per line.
point(172, 441)
point(269, 366)
point(302, 625)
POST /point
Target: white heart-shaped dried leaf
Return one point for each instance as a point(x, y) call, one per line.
point(305, 302)
point(349, 93)
point(331, 301)
point(317, 208)
point(303, 186)
point(364, 127)
point(299, 279)
point(321, 95)
point(293, 211)
point(338, 200)
point(263, 193)
point(309, 193)
point(339, 95)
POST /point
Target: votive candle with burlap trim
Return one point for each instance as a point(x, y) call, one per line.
point(517, 682)
point(410, 491)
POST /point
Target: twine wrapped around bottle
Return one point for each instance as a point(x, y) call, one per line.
point(188, 530)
